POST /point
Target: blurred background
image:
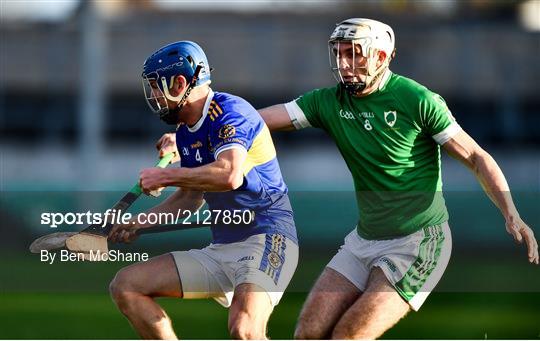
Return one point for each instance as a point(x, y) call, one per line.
point(75, 131)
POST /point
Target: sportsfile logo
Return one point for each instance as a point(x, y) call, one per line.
point(111, 216)
point(115, 217)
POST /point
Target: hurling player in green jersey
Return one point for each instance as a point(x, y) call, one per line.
point(389, 130)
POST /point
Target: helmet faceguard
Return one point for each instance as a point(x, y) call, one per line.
point(353, 52)
point(183, 58)
point(157, 98)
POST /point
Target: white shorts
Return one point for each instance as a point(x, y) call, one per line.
point(413, 264)
point(267, 260)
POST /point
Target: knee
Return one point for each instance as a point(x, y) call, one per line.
point(244, 328)
point(353, 334)
point(121, 291)
point(245, 332)
point(118, 286)
point(302, 332)
point(309, 329)
point(342, 335)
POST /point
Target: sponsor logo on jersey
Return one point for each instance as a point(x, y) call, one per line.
point(346, 115)
point(230, 140)
point(197, 144)
point(390, 117)
point(227, 131)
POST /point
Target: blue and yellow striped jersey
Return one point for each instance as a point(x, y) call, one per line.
point(231, 122)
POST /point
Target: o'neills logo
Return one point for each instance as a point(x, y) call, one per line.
point(197, 144)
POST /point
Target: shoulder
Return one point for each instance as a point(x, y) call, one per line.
point(231, 103)
point(316, 102)
point(226, 108)
point(408, 86)
point(321, 93)
point(411, 92)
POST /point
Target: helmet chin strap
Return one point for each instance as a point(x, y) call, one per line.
point(172, 116)
point(354, 88)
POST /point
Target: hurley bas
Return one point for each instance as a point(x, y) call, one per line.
point(94, 256)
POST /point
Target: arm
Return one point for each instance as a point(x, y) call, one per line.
point(276, 117)
point(463, 148)
point(224, 174)
point(184, 200)
point(181, 199)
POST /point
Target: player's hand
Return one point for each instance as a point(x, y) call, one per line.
point(521, 232)
point(124, 233)
point(167, 144)
point(151, 179)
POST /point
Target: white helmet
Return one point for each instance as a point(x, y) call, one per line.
point(377, 37)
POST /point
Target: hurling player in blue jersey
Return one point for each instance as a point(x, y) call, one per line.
point(227, 159)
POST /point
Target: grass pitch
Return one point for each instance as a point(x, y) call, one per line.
point(94, 316)
point(70, 301)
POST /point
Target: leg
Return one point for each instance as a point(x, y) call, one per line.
point(249, 312)
point(133, 289)
point(331, 296)
point(378, 308)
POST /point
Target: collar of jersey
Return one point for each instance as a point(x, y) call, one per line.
point(200, 122)
point(382, 84)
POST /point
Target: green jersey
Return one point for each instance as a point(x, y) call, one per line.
point(390, 141)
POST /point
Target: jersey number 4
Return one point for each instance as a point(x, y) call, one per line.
point(198, 156)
